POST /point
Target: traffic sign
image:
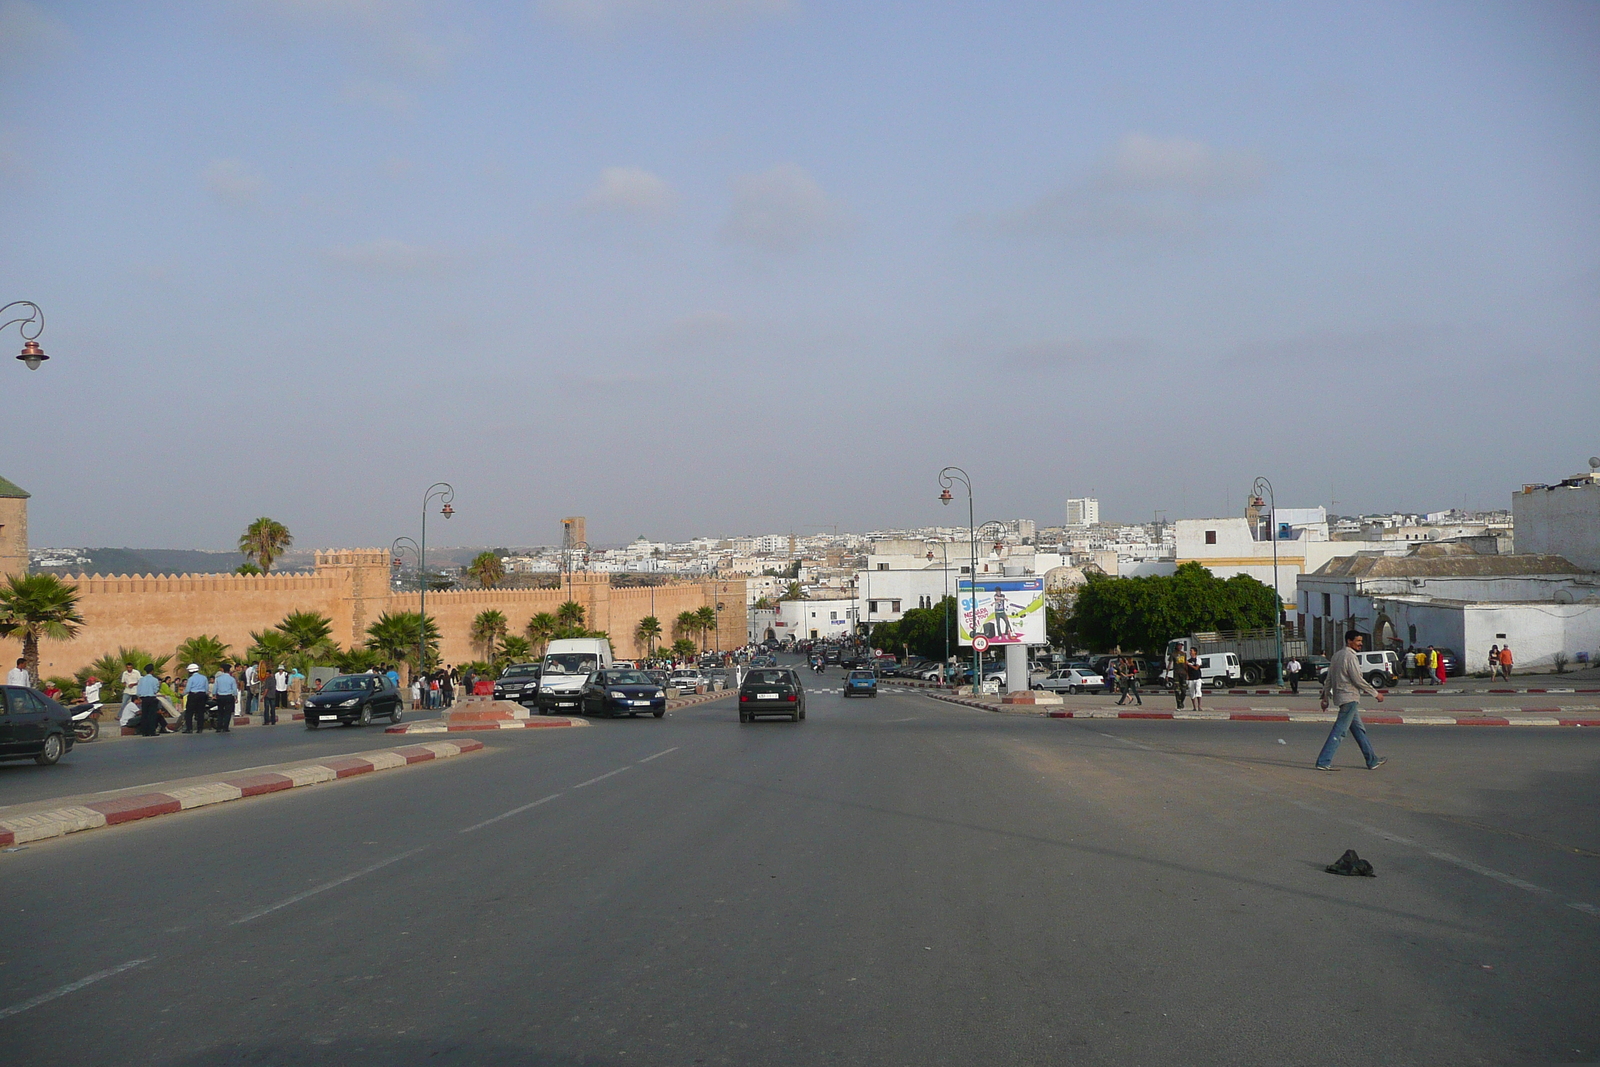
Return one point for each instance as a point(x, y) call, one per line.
point(980, 643)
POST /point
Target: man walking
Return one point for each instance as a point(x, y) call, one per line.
point(196, 697)
point(227, 694)
point(18, 675)
point(1505, 660)
point(1343, 686)
point(1293, 671)
point(1197, 684)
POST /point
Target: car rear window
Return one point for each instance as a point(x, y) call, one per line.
point(767, 678)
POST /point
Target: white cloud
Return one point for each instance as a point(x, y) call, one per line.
point(399, 38)
point(781, 210)
point(235, 184)
point(1145, 185)
point(28, 33)
point(388, 256)
point(631, 191)
point(610, 14)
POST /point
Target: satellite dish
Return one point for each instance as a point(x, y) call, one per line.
point(1594, 462)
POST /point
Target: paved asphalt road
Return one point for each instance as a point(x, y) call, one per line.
point(893, 881)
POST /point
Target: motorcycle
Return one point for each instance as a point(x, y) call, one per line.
point(86, 721)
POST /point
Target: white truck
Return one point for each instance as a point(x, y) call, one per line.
point(566, 668)
point(1254, 651)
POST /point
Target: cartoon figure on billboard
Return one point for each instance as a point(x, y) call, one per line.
point(1007, 611)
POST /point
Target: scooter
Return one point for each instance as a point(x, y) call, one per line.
point(86, 720)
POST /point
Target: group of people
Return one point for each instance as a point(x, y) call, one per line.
point(1424, 663)
point(1124, 674)
point(207, 700)
point(437, 689)
point(1187, 681)
point(1500, 661)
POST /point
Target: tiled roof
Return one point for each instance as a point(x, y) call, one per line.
point(12, 489)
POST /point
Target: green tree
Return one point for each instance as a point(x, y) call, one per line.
point(307, 629)
point(1143, 614)
point(38, 606)
point(687, 623)
point(358, 660)
point(264, 541)
point(248, 569)
point(647, 633)
point(540, 629)
point(487, 629)
point(206, 650)
point(108, 668)
point(920, 631)
point(706, 618)
point(792, 592)
point(396, 636)
point(514, 649)
point(488, 569)
point(272, 647)
point(763, 604)
point(684, 648)
point(570, 615)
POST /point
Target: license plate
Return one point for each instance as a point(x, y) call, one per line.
point(766, 696)
point(641, 703)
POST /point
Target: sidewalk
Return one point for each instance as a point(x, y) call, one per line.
point(59, 816)
point(1583, 715)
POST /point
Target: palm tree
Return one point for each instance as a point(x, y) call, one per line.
point(706, 617)
point(793, 592)
point(395, 637)
point(570, 615)
point(271, 647)
point(264, 541)
point(38, 605)
point(487, 630)
point(307, 629)
point(683, 648)
point(206, 650)
point(108, 667)
point(685, 624)
point(515, 649)
point(359, 660)
point(488, 569)
point(541, 628)
point(647, 633)
point(764, 603)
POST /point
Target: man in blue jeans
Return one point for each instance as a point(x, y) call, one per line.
point(1343, 686)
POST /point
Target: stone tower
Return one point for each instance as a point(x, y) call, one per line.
point(13, 529)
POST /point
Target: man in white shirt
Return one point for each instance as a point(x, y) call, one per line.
point(130, 691)
point(18, 675)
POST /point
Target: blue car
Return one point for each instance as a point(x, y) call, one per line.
point(861, 683)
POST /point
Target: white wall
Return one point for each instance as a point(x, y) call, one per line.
point(1560, 520)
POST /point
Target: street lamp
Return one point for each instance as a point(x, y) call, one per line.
point(944, 550)
point(445, 493)
point(1262, 485)
point(947, 478)
point(397, 553)
point(31, 353)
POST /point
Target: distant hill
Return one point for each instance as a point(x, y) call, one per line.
point(154, 561)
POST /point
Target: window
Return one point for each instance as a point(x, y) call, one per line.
point(872, 608)
point(966, 570)
point(894, 606)
point(1211, 537)
point(1327, 605)
point(833, 616)
point(883, 566)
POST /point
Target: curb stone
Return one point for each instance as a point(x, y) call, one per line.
point(1473, 716)
point(115, 810)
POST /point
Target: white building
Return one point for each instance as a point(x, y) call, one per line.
point(815, 619)
point(1561, 519)
point(1449, 597)
point(1229, 546)
point(1083, 511)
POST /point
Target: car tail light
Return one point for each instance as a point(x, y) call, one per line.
point(744, 698)
point(791, 696)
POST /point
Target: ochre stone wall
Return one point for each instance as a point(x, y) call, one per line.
point(13, 536)
point(352, 588)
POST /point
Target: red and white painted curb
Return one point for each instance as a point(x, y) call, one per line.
point(440, 726)
point(92, 814)
point(1449, 717)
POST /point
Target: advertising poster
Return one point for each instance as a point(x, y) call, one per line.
point(1009, 611)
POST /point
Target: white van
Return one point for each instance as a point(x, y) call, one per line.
point(1218, 670)
point(567, 666)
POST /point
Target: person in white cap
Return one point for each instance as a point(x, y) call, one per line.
point(196, 699)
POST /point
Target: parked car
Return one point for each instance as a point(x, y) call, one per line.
point(1313, 668)
point(32, 726)
point(688, 680)
point(661, 678)
point(353, 698)
point(1381, 669)
point(621, 691)
point(860, 683)
point(772, 691)
point(1070, 680)
point(518, 683)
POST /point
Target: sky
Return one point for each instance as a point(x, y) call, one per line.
point(693, 267)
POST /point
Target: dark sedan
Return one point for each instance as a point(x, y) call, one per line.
point(32, 726)
point(772, 691)
point(353, 698)
point(621, 692)
point(518, 683)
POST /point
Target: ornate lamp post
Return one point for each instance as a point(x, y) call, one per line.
point(397, 552)
point(444, 492)
point(948, 477)
point(944, 550)
point(1262, 485)
point(30, 326)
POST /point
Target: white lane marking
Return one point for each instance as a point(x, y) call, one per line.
point(911, 719)
point(602, 778)
point(71, 987)
point(647, 759)
point(508, 814)
point(323, 888)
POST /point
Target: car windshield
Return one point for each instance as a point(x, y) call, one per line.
point(350, 683)
point(686, 674)
point(766, 678)
point(570, 663)
point(861, 674)
point(521, 670)
point(623, 678)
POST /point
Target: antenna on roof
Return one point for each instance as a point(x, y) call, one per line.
point(1594, 463)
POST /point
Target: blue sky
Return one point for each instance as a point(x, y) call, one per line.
point(759, 265)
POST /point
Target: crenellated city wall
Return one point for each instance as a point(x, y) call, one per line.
point(351, 586)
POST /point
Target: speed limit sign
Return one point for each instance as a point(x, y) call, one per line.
point(980, 643)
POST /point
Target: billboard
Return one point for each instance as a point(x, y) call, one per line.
point(1009, 611)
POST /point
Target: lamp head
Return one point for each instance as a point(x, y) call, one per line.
point(945, 497)
point(32, 355)
point(447, 511)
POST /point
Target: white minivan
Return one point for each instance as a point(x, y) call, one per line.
point(567, 666)
point(1218, 670)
